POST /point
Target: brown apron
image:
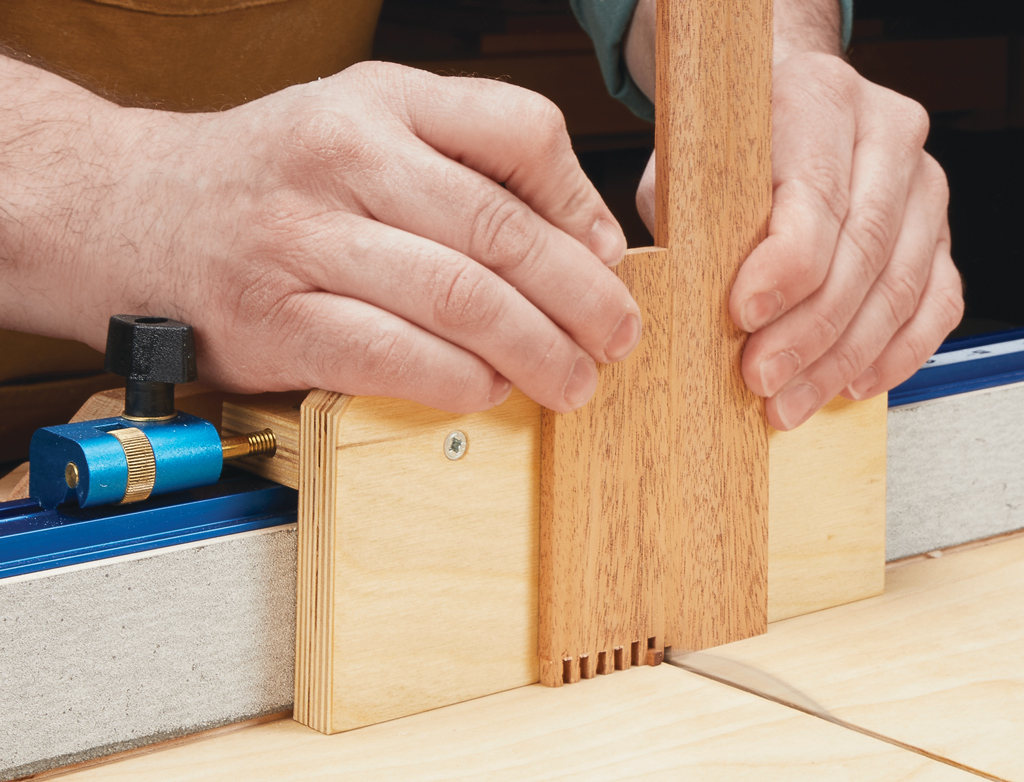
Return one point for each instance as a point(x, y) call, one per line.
point(178, 55)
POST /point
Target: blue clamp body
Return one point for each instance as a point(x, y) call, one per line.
point(186, 450)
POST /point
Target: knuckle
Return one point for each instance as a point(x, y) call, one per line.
point(849, 361)
point(827, 182)
point(935, 178)
point(824, 328)
point(916, 350)
point(322, 136)
point(871, 233)
point(915, 119)
point(383, 353)
point(502, 232)
point(466, 301)
point(547, 123)
point(901, 296)
point(951, 308)
point(261, 294)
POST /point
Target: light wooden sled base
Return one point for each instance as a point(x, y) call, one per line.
point(934, 664)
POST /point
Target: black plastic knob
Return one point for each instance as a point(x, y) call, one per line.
point(151, 354)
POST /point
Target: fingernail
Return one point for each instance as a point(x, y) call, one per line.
point(796, 405)
point(581, 383)
point(778, 370)
point(607, 242)
point(499, 391)
point(760, 309)
point(859, 388)
point(623, 339)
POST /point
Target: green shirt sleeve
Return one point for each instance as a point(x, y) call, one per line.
point(606, 22)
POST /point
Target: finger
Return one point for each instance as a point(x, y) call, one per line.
point(882, 177)
point(467, 212)
point(447, 294)
point(813, 139)
point(516, 137)
point(941, 310)
point(320, 340)
point(645, 194)
point(892, 301)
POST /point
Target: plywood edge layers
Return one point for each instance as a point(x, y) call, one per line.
point(314, 636)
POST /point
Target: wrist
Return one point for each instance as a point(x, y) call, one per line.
point(799, 26)
point(806, 26)
point(638, 46)
point(58, 149)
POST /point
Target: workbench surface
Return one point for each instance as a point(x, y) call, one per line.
point(922, 683)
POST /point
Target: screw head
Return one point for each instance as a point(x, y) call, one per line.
point(71, 475)
point(455, 445)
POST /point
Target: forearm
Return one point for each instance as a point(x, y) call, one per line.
point(56, 142)
point(799, 26)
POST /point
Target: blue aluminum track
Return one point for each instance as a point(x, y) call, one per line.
point(966, 364)
point(33, 539)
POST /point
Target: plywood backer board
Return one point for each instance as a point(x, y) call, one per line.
point(422, 580)
point(826, 509)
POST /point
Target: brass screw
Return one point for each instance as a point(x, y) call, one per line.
point(71, 475)
point(262, 443)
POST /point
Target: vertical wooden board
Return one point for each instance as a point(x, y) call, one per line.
point(602, 497)
point(714, 201)
point(434, 561)
point(826, 509)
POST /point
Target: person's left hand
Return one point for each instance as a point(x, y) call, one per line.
point(854, 288)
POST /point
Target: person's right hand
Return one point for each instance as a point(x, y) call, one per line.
point(383, 231)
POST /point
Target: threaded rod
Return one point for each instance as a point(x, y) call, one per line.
point(239, 446)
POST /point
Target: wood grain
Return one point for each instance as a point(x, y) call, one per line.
point(654, 520)
point(603, 496)
point(935, 662)
point(652, 724)
point(713, 149)
point(279, 412)
point(826, 509)
point(417, 574)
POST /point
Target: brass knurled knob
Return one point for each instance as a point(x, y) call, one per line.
point(141, 463)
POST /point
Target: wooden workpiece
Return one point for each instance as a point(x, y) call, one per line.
point(654, 514)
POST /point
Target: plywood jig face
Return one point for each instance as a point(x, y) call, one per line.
point(567, 546)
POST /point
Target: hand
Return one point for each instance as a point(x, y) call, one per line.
point(854, 288)
point(352, 234)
